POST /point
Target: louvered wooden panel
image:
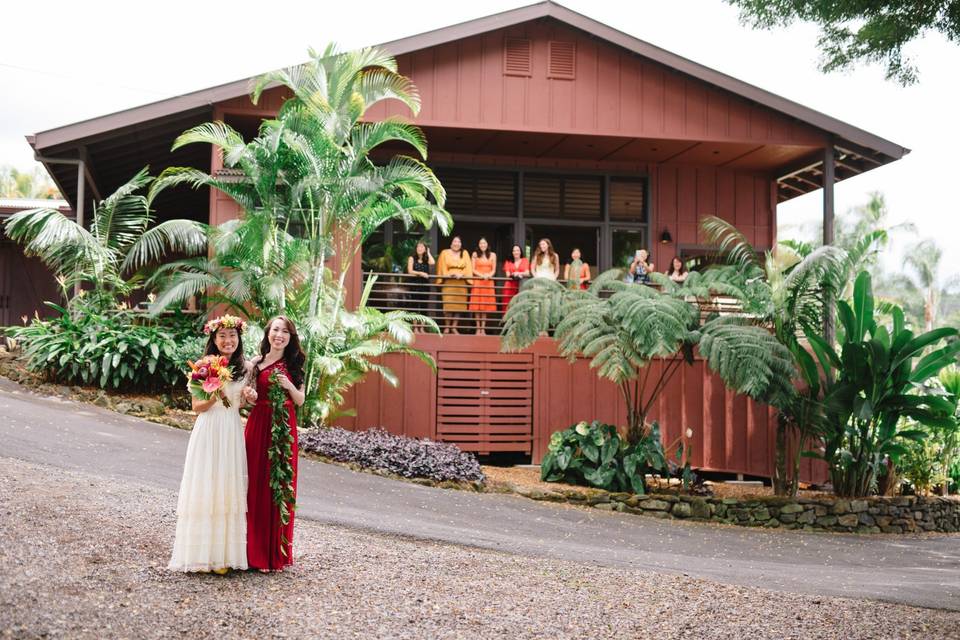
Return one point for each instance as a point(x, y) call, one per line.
point(485, 401)
point(517, 57)
point(479, 193)
point(550, 196)
point(627, 199)
point(561, 60)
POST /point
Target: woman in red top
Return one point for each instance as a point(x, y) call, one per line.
point(516, 268)
point(269, 541)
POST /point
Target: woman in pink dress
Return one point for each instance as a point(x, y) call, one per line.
point(516, 268)
point(269, 540)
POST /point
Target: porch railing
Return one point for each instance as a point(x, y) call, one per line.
point(402, 291)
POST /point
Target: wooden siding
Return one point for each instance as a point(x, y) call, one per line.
point(731, 433)
point(614, 93)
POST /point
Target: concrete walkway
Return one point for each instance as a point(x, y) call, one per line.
point(921, 571)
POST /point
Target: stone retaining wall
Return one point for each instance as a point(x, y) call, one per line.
point(905, 514)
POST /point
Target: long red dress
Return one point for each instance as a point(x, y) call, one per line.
point(263, 518)
point(512, 286)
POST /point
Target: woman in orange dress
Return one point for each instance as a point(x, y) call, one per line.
point(483, 297)
point(516, 269)
point(577, 273)
point(453, 267)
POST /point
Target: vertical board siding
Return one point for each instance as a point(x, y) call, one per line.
point(730, 432)
point(613, 92)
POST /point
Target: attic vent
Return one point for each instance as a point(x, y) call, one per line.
point(561, 60)
point(516, 57)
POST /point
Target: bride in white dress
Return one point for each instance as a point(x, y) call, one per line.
point(212, 505)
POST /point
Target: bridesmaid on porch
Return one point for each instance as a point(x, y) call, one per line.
point(269, 540)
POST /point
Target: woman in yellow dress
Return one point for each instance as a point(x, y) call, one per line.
point(483, 297)
point(453, 268)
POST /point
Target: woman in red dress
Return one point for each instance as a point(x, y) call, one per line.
point(516, 269)
point(269, 541)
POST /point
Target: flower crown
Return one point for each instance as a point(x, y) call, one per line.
point(225, 322)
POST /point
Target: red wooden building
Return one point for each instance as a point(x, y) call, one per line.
point(541, 122)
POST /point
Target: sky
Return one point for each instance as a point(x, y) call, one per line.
point(65, 61)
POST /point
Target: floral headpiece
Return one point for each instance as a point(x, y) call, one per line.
point(225, 322)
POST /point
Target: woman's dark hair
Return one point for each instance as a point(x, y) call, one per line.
point(485, 254)
point(462, 250)
point(683, 267)
point(293, 356)
point(416, 253)
point(511, 259)
point(236, 360)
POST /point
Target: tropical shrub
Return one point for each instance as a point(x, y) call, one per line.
point(875, 380)
point(106, 258)
point(342, 348)
point(594, 454)
point(788, 289)
point(920, 465)
point(622, 327)
point(407, 457)
point(111, 349)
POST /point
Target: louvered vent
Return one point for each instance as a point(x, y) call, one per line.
point(479, 193)
point(517, 57)
point(561, 60)
point(552, 196)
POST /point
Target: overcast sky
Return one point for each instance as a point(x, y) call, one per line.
point(65, 61)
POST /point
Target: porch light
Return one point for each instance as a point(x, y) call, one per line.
point(665, 237)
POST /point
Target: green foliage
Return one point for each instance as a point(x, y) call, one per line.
point(622, 328)
point(786, 289)
point(112, 349)
point(343, 348)
point(921, 464)
point(594, 454)
point(876, 379)
point(852, 31)
point(309, 191)
point(105, 258)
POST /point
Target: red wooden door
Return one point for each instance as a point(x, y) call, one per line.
point(485, 401)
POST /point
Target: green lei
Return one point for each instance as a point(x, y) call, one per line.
point(279, 454)
point(573, 282)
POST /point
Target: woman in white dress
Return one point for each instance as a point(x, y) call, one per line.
point(546, 262)
point(212, 506)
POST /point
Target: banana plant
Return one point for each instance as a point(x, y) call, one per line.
point(876, 378)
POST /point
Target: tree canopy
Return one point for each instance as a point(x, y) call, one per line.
point(853, 31)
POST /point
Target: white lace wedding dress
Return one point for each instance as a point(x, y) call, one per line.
point(212, 506)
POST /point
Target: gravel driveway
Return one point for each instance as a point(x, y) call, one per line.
point(83, 557)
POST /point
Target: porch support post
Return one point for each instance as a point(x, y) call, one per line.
point(829, 177)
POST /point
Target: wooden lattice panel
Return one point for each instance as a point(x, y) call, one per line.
point(485, 401)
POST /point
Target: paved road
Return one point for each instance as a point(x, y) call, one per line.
point(911, 570)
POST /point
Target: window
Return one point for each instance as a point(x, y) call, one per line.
point(627, 199)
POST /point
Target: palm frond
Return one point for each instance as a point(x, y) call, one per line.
point(187, 237)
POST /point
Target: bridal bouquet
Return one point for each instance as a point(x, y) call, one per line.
point(208, 376)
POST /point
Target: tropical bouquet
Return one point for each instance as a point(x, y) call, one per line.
point(208, 377)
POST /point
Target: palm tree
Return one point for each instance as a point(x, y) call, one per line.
point(920, 286)
point(786, 289)
point(255, 267)
point(622, 328)
point(119, 242)
point(311, 165)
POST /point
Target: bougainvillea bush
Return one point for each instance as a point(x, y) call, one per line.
point(408, 457)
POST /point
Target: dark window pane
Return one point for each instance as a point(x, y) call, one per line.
point(625, 244)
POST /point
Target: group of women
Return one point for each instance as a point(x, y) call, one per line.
point(228, 513)
point(467, 285)
point(467, 278)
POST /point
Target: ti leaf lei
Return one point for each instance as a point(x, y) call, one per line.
point(279, 454)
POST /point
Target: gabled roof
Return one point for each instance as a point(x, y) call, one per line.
point(864, 149)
